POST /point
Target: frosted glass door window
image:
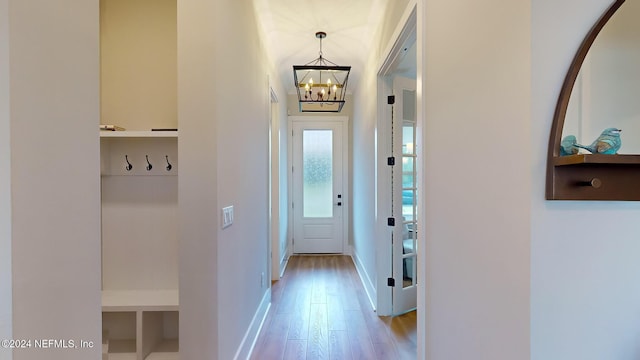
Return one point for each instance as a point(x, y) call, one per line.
point(317, 157)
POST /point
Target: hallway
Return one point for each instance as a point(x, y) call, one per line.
point(319, 310)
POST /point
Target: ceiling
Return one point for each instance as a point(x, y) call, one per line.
point(289, 32)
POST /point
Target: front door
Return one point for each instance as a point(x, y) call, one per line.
point(318, 198)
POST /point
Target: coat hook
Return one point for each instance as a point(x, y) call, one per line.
point(169, 166)
point(149, 166)
point(594, 183)
point(128, 167)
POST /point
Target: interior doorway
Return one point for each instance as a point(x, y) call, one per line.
point(398, 136)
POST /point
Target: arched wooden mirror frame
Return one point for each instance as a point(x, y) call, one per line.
point(588, 176)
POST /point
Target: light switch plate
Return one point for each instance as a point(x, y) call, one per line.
point(227, 216)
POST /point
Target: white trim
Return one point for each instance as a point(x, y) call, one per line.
point(383, 200)
point(400, 35)
point(283, 264)
point(273, 209)
point(423, 307)
point(349, 250)
point(369, 287)
point(251, 336)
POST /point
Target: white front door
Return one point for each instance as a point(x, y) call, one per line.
point(318, 198)
point(404, 190)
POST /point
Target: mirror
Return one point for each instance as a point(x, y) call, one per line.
point(599, 92)
point(606, 92)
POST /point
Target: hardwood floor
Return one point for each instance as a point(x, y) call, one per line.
point(320, 310)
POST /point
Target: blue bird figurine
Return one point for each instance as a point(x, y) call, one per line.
point(608, 142)
point(567, 146)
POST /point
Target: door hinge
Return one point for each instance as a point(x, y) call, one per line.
point(391, 160)
point(391, 282)
point(391, 99)
point(391, 221)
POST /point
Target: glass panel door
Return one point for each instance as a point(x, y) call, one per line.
point(317, 197)
point(404, 195)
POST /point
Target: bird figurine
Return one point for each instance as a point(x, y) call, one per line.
point(567, 146)
point(608, 142)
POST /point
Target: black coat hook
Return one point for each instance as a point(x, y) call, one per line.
point(128, 167)
point(169, 166)
point(149, 166)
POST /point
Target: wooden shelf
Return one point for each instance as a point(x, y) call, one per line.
point(138, 134)
point(597, 159)
point(134, 300)
point(594, 177)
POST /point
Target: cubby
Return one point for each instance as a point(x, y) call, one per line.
point(140, 334)
point(139, 179)
point(119, 332)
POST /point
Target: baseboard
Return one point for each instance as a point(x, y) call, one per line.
point(283, 264)
point(369, 286)
point(251, 336)
point(349, 251)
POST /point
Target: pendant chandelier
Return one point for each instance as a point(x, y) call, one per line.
point(321, 84)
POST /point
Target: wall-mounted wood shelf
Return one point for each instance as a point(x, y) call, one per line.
point(597, 159)
point(595, 177)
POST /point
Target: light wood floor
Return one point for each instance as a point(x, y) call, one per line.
point(320, 310)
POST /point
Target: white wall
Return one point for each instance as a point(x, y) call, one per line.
point(223, 118)
point(242, 119)
point(55, 221)
point(5, 182)
point(365, 123)
point(477, 183)
point(137, 45)
point(585, 301)
point(197, 188)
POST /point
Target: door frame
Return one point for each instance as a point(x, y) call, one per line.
point(346, 206)
point(407, 29)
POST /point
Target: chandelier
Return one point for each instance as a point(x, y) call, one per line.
point(321, 84)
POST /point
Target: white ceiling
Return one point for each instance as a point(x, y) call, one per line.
point(290, 27)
